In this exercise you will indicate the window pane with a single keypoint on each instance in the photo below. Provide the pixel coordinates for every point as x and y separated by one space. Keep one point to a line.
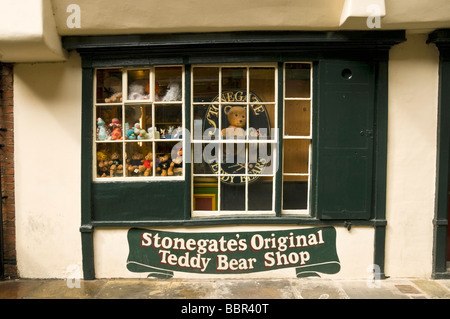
206 84
168 159
295 192
205 193
140 159
297 118
260 194
109 86
138 122
206 121
297 80
296 156
168 84
109 160
234 79
205 157
109 123
168 118
262 83
232 196
260 159
234 121
138 85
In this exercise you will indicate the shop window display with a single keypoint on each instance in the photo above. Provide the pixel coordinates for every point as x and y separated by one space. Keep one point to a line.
139 123
235 137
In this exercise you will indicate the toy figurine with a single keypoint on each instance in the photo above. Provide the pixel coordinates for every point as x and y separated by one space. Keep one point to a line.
103 132
116 129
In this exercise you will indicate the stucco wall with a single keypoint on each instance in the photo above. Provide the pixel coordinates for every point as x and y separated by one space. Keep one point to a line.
412 129
47 166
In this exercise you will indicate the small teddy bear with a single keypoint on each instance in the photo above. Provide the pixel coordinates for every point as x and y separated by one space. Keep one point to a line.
177 162
164 165
115 98
148 164
102 165
237 119
116 166
137 92
136 164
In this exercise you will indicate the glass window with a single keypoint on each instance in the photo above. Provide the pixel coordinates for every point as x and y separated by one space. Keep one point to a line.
297 137
139 123
234 143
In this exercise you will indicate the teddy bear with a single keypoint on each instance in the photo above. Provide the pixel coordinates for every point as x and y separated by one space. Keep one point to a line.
102 165
237 119
137 92
148 164
164 165
173 92
177 162
115 98
116 166
116 129
136 164
103 133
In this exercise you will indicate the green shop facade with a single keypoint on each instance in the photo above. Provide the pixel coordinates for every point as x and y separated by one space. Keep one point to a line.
242 153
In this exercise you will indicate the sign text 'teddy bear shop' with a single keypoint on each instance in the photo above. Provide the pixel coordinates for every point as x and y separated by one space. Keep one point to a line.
160 253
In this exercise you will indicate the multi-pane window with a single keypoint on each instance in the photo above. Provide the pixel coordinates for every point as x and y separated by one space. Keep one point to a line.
297 136
235 111
139 123
235 138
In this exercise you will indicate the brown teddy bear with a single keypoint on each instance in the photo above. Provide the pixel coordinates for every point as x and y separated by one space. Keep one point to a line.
102 165
237 119
136 165
116 166
164 165
148 164
115 98
177 163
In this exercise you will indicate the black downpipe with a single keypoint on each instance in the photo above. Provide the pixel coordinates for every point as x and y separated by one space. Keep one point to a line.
2 261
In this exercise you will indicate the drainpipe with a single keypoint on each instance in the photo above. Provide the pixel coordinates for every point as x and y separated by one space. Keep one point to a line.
2 263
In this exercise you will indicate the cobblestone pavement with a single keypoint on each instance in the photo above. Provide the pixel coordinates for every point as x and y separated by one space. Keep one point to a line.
242 289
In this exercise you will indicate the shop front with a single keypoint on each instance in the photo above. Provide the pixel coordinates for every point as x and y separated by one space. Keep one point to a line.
235 154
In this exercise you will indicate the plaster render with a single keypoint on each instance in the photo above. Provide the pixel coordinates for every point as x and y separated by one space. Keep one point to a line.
411 164
47 124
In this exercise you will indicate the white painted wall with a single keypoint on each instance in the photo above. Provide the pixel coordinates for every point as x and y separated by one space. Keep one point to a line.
413 104
47 127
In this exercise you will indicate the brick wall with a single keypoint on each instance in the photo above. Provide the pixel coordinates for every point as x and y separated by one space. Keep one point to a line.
7 168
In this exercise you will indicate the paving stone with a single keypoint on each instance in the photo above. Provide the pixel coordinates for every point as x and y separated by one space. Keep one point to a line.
187 289
317 289
407 289
432 289
17 289
133 289
61 289
362 290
